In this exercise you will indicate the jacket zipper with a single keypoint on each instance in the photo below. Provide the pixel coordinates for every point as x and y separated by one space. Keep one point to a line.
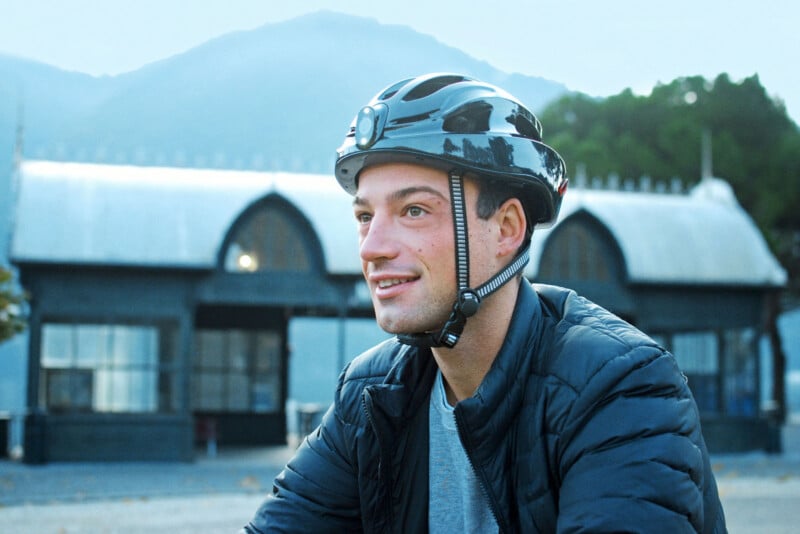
383 469
482 482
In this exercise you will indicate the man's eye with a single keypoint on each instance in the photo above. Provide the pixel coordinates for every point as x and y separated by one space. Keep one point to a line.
363 218
415 211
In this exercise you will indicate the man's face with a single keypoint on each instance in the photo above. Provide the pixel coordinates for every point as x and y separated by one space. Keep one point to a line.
406 244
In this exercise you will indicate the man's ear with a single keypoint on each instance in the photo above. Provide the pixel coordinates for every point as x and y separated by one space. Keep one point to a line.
510 217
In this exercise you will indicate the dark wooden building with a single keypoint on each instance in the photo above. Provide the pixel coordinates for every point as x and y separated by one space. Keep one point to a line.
161 298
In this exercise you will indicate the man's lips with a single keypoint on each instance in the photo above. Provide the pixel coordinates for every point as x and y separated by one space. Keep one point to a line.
389 282
390 285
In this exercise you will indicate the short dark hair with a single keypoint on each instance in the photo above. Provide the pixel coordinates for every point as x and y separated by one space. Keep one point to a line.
492 194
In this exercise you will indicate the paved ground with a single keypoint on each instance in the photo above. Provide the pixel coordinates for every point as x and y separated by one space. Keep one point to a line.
213 495
760 492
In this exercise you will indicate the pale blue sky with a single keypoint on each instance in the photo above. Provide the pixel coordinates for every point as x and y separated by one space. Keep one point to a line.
598 48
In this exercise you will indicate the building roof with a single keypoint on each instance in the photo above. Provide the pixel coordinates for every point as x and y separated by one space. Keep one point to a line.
163 217
177 217
704 237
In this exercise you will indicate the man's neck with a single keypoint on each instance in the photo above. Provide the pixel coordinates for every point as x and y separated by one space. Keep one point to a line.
465 365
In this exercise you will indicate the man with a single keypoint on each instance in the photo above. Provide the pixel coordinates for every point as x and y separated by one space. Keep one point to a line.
500 406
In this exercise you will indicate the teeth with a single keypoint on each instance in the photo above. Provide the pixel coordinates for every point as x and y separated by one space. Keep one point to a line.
392 282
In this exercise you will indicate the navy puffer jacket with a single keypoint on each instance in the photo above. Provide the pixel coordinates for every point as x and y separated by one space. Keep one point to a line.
583 424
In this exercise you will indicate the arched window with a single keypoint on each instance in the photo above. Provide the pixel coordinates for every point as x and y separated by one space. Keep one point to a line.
580 249
270 236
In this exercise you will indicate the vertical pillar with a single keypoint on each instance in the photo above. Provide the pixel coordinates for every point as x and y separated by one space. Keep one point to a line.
722 366
185 350
184 356
34 437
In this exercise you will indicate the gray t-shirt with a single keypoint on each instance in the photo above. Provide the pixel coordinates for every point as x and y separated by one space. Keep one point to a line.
457 502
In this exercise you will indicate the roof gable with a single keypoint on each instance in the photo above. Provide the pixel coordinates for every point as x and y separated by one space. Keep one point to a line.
162 217
701 238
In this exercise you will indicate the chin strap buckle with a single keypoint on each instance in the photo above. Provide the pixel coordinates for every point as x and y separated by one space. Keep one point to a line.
468 302
466 306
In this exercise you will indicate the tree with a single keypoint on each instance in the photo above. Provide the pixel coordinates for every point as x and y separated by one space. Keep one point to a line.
756 146
12 321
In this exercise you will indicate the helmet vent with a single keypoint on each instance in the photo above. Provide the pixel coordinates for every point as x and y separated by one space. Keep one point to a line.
390 91
470 118
428 87
526 125
411 119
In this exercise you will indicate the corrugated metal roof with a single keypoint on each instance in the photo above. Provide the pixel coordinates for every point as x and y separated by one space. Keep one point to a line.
704 237
151 216
177 217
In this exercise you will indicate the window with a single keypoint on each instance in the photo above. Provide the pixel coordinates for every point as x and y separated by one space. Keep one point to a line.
109 368
267 240
576 251
697 354
721 367
739 379
237 371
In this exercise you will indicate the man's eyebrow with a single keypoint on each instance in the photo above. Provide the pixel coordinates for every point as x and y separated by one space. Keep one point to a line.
401 194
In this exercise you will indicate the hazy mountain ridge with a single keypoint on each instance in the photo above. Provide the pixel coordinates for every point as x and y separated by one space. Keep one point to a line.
277 97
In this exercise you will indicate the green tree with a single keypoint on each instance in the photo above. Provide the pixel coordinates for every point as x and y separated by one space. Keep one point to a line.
12 321
755 146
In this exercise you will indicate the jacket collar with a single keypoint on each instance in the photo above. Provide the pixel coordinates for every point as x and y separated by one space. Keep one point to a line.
406 386
489 413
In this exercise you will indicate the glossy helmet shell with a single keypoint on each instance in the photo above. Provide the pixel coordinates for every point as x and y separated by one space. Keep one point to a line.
449 121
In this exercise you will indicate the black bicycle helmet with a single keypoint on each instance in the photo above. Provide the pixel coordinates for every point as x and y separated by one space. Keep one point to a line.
452 121
460 125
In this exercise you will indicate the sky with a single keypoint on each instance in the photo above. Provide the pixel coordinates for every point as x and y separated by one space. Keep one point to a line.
599 48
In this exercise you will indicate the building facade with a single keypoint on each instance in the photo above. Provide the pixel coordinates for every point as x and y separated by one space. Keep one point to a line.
161 298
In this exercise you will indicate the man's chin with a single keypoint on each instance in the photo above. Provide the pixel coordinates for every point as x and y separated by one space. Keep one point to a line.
395 326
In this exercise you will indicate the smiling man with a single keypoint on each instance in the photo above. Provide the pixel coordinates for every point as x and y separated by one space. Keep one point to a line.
500 406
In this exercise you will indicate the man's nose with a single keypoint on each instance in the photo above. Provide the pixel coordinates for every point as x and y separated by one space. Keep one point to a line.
379 241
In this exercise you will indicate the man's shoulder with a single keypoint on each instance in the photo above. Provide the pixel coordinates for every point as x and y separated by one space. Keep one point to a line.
584 337
576 319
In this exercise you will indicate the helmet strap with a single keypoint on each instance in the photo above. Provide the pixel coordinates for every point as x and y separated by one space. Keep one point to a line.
468 300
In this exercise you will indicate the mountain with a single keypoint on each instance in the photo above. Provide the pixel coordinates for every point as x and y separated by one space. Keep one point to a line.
279 97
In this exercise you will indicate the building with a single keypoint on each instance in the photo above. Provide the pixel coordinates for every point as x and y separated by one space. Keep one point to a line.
161 298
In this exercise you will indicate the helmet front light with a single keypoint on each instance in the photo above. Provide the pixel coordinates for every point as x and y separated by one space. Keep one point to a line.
369 125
